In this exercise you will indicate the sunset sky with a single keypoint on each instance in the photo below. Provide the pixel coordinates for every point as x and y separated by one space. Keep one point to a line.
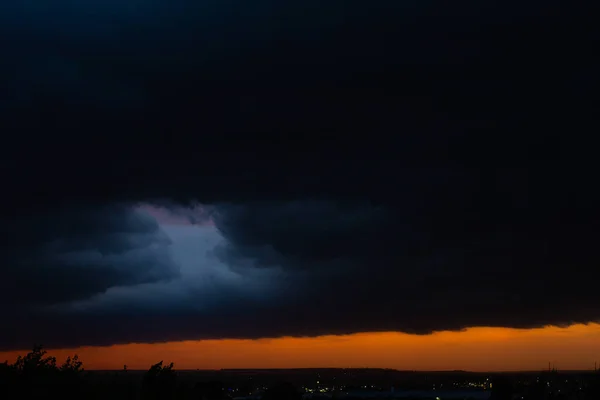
476 349
265 183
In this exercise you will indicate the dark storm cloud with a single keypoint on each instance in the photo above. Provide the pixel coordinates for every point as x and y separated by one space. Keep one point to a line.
216 92
75 253
496 261
466 250
309 129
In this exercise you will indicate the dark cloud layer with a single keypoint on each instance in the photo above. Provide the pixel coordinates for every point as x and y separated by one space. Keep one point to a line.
74 253
507 263
406 166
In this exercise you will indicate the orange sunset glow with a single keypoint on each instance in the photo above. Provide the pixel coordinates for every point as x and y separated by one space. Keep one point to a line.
476 349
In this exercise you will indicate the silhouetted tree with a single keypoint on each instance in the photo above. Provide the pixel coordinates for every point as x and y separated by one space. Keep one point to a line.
34 363
72 365
36 375
159 382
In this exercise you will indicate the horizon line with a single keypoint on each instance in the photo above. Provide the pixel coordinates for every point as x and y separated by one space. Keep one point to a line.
353 368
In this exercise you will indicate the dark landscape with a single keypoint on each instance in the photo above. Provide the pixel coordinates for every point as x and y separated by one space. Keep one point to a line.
38 376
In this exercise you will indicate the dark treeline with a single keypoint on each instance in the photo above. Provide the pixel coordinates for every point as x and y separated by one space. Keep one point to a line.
38 375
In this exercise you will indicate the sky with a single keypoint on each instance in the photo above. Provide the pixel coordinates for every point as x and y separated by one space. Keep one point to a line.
477 349
205 280
264 176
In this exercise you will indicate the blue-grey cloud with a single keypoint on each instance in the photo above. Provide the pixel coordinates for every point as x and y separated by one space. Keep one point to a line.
75 253
207 298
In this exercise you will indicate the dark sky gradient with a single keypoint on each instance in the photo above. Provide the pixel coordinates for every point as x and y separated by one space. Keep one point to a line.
400 167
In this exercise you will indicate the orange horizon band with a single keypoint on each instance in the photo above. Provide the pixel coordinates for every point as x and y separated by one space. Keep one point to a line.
475 349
